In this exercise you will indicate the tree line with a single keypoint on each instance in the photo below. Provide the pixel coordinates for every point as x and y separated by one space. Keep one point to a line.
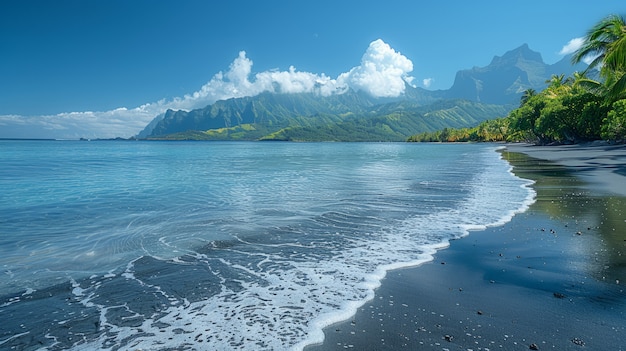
571 109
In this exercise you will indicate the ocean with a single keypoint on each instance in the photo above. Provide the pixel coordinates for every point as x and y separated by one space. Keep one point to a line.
133 245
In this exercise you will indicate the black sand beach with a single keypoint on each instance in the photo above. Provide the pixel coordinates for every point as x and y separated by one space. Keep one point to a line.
554 278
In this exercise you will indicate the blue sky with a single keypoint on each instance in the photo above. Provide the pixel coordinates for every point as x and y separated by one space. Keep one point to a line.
114 64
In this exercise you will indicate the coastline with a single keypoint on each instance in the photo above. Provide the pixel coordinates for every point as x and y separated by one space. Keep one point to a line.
552 278
603 166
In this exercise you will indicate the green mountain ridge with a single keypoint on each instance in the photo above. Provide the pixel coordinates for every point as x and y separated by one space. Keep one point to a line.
396 125
477 95
274 111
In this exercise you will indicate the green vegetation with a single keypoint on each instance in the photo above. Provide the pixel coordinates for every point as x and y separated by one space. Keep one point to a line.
570 110
267 112
239 132
305 117
391 122
490 130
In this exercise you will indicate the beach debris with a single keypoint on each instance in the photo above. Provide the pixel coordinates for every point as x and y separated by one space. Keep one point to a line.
559 295
578 342
448 338
533 346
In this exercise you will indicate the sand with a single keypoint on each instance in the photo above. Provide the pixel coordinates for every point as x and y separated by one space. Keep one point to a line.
603 166
554 278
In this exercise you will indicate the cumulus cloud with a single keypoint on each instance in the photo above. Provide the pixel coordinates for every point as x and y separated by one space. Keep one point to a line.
119 122
427 82
572 46
238 82
383 72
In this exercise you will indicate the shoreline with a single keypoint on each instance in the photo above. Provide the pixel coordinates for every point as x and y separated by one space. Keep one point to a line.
552 278
603 166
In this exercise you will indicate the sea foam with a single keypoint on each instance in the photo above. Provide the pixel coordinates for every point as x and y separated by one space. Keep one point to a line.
298 241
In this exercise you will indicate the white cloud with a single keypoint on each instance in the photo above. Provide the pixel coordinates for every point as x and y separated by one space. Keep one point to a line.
427 82
120 122
572 46
236 82
383 72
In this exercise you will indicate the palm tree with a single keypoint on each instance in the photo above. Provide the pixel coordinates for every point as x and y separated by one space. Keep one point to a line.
528 93
580 79
557 84
605 43
556 80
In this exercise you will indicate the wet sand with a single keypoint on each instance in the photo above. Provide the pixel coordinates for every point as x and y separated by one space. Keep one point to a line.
554 278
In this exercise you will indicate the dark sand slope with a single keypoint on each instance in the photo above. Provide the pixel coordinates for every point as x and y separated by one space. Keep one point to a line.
554 278
603 166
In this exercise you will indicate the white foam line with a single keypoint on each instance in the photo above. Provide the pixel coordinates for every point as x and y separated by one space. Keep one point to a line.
13 337
297 303
349 309
274 245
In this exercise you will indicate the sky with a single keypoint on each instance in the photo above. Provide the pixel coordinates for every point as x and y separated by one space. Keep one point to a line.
106 68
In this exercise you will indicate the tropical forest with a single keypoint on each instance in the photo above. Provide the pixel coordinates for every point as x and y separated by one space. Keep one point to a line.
583 107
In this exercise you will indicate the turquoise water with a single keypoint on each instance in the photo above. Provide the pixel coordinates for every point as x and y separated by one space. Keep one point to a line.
224 245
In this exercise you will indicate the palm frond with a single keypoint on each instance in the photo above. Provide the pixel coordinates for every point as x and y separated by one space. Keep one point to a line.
617 90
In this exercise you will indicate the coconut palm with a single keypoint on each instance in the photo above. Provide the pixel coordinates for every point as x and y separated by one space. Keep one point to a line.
605 44
580 79
528 93
557 85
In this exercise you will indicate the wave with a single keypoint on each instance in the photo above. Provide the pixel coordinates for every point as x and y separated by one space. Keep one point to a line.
268 284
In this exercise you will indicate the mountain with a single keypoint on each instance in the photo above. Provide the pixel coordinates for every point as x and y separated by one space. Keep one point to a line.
147 130
477 94
267 109
508 76
352 116
395 122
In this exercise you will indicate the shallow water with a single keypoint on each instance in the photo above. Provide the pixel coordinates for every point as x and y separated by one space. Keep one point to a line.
224 245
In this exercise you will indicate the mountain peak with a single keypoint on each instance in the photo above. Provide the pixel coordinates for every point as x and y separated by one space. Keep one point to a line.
506 77
522 53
